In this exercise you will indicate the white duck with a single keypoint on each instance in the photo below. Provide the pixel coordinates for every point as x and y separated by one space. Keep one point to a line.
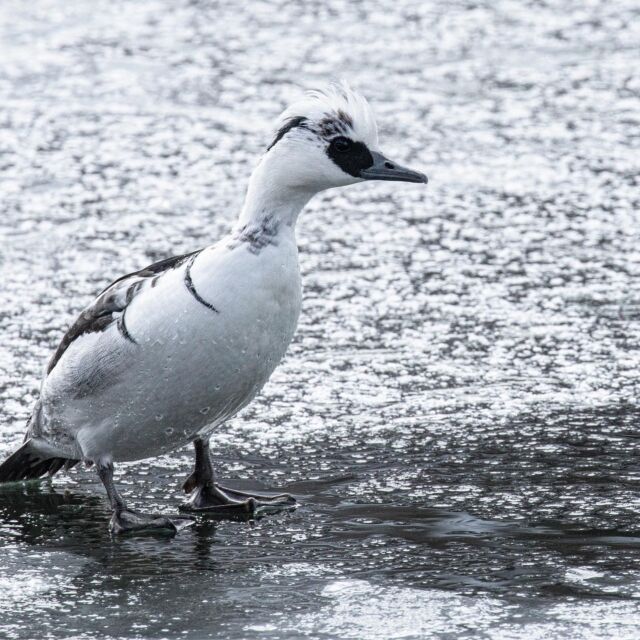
165 355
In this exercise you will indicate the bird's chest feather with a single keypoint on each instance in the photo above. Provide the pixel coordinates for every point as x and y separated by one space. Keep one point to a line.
257 301
224 333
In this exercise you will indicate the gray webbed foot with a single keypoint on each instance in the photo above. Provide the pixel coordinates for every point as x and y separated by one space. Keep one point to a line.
129 521
216 500
126 520
209 497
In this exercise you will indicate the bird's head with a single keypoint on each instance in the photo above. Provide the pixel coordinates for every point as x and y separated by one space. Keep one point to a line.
330 139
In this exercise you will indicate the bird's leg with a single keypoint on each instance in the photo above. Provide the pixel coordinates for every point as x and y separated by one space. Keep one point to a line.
125 520
211 497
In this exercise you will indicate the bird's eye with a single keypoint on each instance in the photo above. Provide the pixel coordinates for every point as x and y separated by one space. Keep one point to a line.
341 144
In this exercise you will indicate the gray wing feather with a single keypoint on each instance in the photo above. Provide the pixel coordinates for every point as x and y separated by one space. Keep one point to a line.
110 304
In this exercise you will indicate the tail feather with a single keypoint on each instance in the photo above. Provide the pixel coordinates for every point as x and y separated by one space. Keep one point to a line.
30 462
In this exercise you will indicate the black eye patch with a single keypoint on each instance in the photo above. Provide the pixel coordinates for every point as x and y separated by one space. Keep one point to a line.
352 158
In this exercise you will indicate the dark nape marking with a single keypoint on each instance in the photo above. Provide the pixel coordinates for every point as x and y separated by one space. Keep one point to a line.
192 289
122 328
291 123
354 161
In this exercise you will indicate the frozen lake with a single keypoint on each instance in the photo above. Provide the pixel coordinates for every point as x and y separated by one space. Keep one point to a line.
459 414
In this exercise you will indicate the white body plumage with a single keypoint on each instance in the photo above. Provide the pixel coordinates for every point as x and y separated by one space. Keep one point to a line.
190 367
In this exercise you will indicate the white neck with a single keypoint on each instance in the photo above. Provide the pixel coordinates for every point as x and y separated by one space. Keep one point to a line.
269 198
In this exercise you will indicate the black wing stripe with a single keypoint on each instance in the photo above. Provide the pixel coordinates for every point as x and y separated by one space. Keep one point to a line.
192 289
122 328
113 300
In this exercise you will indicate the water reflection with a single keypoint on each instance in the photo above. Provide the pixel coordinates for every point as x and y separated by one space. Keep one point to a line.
391 537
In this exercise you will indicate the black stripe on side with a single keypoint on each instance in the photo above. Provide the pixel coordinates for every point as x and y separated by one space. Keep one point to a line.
122 328
192 289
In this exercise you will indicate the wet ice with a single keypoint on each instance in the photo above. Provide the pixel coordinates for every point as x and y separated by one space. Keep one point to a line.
458 414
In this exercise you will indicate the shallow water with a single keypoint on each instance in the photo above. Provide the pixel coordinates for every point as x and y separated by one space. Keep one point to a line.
458 414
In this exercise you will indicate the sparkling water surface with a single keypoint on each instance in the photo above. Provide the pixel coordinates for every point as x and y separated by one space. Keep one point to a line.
458 415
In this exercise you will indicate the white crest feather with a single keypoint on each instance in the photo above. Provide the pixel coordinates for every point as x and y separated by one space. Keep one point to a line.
336 101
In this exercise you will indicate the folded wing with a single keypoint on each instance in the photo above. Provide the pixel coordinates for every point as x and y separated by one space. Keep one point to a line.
111 303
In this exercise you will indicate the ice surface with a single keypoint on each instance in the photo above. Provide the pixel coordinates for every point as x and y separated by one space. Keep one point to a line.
459 412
